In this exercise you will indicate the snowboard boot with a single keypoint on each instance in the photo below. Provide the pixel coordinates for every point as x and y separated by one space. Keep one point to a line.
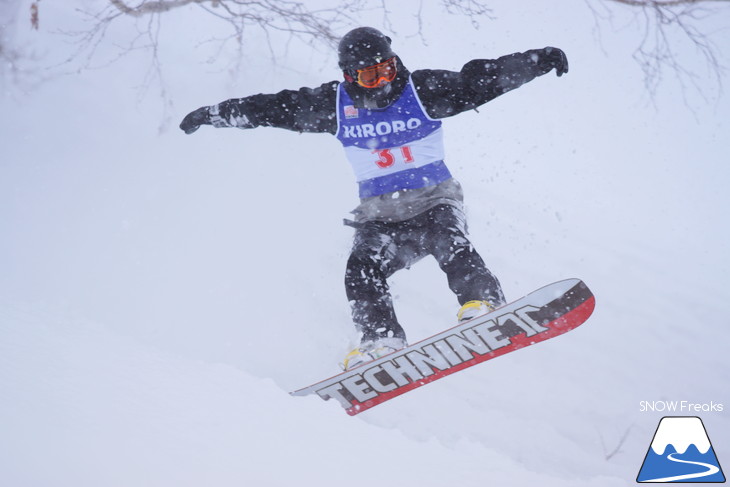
472 309
371 350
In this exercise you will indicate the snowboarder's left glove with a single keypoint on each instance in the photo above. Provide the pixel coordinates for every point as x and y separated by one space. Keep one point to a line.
552 57
195 119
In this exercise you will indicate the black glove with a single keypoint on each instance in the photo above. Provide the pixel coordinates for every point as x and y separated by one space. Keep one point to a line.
195 119
552 57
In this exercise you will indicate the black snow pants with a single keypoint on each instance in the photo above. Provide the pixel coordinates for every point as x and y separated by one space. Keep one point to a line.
382 248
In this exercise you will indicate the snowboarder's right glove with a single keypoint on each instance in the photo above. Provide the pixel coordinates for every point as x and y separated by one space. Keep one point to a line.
551 57
195 119
230 113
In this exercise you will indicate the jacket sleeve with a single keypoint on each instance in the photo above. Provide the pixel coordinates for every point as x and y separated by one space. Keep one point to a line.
447 93
303 110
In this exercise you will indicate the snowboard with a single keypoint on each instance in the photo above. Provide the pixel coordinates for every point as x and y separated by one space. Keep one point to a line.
543 314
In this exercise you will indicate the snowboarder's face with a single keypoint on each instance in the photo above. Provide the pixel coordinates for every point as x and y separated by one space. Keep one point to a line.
378 75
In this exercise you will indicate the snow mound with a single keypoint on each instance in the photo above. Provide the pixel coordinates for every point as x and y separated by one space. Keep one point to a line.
93 408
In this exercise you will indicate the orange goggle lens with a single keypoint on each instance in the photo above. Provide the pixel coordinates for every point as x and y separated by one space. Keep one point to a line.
374 76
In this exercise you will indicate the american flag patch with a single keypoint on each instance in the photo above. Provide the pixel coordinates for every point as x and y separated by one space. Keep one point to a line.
350 111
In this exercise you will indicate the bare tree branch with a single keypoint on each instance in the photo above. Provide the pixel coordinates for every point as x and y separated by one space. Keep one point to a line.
666 25
663 3
295 19
157 6
34 19
290 16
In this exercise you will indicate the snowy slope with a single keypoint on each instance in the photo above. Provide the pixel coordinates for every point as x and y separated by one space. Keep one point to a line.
140 269
104 410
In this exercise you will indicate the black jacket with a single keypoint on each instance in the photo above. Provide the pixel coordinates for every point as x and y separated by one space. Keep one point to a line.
442 93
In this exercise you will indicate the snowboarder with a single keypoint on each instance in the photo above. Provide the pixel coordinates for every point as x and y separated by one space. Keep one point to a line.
389 122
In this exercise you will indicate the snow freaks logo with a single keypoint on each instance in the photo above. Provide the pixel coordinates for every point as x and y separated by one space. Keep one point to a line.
680 407
680 452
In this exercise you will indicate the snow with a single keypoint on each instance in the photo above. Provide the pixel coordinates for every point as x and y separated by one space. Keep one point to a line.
681 433
161 293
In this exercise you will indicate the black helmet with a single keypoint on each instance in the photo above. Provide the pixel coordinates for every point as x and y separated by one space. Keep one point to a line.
363 47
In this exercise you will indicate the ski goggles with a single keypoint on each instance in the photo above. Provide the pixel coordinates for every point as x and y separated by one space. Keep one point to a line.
374 76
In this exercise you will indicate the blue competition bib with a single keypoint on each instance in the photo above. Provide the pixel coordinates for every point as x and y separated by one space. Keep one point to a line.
398 147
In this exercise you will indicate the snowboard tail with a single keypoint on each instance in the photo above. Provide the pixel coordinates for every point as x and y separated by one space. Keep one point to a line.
543 314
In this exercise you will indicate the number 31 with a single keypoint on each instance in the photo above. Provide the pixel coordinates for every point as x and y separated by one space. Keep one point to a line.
387 159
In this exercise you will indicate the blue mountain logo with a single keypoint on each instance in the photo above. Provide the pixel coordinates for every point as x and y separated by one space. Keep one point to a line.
681 452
